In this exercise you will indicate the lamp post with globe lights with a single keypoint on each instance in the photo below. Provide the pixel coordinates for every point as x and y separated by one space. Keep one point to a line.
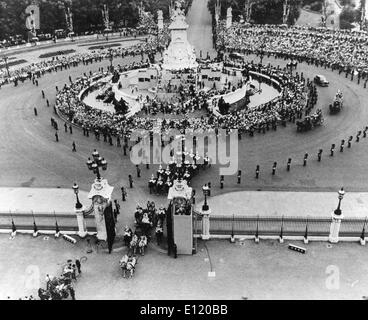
79 211
78 205
336 219
97 163
100 195
341 194
205 190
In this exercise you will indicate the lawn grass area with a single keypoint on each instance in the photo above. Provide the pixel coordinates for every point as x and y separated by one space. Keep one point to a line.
56 53
97 47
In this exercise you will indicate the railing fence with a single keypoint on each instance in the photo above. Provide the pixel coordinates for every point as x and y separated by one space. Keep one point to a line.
280 226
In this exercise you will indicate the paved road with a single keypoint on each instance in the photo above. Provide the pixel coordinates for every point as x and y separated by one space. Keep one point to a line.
267 270
32 158
200 28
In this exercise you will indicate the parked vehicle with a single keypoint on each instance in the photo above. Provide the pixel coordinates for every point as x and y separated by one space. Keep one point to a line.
321 80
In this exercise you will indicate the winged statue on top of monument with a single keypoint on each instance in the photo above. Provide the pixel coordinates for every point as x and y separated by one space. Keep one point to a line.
178 13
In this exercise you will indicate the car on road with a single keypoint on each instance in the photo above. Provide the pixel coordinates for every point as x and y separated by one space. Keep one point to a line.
321 80
235 55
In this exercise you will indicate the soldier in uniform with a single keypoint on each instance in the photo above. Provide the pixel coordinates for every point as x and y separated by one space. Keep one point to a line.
123 194
160 185
332 150
152 183
160 171
349 141
320 155
274 168
117 207
305 159
168 185
159 233
288 164
186 176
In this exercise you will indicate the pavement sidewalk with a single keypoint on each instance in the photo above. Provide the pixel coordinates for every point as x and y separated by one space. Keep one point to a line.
249 203
40 200
289 204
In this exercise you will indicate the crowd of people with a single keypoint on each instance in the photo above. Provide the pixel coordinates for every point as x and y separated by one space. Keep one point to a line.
337 49
292 101
184 166
34 71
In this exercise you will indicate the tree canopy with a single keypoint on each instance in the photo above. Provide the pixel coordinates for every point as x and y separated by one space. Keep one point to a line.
86 14
263 11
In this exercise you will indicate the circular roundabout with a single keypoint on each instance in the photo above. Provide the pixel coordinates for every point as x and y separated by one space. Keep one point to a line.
139 84
292 134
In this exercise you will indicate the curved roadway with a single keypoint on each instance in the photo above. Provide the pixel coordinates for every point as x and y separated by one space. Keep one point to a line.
30 157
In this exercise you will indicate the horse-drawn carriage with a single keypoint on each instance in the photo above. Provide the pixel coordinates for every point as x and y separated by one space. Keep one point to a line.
127 265
136 241
338 103
310 122
291 65
57 288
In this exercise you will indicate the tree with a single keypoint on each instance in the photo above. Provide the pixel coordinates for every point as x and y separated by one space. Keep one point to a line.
263 11
348 16
87 14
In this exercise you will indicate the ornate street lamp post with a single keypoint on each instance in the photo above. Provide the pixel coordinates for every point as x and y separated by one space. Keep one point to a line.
78 205
341 194
97 163
205 190
336 220
100 195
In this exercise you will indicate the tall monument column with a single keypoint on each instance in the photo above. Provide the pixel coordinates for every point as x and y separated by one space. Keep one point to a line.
160 20
229 18
180 54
